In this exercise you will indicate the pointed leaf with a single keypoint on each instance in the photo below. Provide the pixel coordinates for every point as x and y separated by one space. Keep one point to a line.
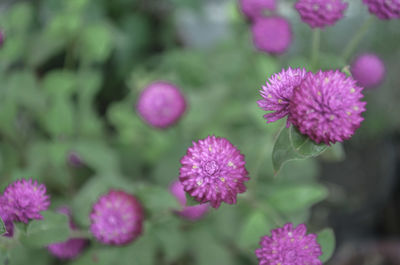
3 229
326 238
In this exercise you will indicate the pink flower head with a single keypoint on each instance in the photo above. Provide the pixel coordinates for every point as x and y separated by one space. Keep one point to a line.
278 91
161 104
368 70
1 38
289 246
74 159
272 34
320 13
254 8
6 219
192 213
327 107
384 9
116 218
213 170
71 248
25 199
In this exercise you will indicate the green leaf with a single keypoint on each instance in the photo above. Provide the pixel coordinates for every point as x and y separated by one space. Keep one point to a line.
53 228
334 153
326 238
158 199
254 227
296 197
3 229
291 145
96 43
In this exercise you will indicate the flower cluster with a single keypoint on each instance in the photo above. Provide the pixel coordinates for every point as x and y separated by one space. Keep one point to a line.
71 248
253 9
116 218
213 170
161 104
325 106
192 213
368 70
384 9
320 13
289 246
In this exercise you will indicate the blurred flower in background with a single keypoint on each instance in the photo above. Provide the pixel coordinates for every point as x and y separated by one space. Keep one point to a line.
368 69
384 9
254 9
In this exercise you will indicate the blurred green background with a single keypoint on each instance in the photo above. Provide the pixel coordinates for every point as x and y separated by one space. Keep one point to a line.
70 74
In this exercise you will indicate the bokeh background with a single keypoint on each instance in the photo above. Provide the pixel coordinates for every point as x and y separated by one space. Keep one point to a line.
70 74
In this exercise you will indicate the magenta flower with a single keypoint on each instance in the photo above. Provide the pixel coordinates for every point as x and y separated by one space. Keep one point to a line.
192 213
272 34
384 9
278 92
25 199
1 38
213 170
320 13
368 70
71 248
74 159
327 107
161 104
6 219
116 218
289 246
254 8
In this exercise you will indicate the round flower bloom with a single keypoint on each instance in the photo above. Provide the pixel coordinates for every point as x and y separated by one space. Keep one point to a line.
116 218
278 92
368 70
161 104
213 170
272 34
71 248
289 246
327 107
6 219
320 13
25 199
384 9
193 213
254 8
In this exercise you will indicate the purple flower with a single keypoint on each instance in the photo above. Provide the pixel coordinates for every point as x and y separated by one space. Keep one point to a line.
289 246
384 9
254 8
116 218
74 159
1 38
327 107
25 199
192 213
71 248
368 70
213 170
272 34
278 92
320 13
161 104
6 219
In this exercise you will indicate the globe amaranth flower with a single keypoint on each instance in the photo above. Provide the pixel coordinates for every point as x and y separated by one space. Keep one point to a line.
368 70
289 246
161 104
192 213
74 159
272 34
327 107
25 199
255 8
71 248
278 91
116 218
384 9
320 13
1 38
6 219
213 170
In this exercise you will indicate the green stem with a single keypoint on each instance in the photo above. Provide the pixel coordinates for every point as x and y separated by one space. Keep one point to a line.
316 40
357 38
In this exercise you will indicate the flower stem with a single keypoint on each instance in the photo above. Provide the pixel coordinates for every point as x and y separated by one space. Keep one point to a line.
316 40
357 38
